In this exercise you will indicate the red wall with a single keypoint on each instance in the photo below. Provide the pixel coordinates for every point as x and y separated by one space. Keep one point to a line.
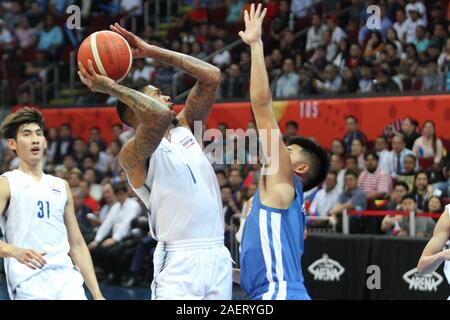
322 119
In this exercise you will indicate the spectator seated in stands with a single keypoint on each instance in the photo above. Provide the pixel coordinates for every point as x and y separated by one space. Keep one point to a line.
314 37
410 132
352 198
358 150
384 82
428 148
50 38
108 245
395 199
434 205
234 85
399 225
287 84
397 156
422 190
409 170
373 181
325 200
352 133
337 165
331 80
234 10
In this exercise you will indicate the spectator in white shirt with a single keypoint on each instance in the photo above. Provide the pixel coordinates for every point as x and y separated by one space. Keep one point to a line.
336 32
400 25
314 37
417 5
114 230
411 25
327 197
382 149
142 73
223 59
337 165
332 80
109 198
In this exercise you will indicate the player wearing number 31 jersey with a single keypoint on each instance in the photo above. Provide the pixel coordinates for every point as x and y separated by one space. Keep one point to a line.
41 233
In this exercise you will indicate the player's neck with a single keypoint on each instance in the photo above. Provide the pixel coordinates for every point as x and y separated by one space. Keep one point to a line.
167 135
33 170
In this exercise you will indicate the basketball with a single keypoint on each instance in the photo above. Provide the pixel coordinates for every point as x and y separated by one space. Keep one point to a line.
109 52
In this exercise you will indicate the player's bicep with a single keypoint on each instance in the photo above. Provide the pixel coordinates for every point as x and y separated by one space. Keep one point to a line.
441 235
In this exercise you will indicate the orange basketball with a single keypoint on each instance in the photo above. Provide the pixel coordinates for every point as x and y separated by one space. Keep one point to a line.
109 52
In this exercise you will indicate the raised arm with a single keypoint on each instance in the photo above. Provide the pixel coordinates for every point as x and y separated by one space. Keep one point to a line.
202 95
154 119
277 188
78 250
433 255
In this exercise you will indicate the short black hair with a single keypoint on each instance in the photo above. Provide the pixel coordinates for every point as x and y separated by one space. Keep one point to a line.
292 123
350 116
10 126
319 161
401 183
350 172
371 153
409 196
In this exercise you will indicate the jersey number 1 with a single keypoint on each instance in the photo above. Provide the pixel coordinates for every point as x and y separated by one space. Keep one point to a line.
41 209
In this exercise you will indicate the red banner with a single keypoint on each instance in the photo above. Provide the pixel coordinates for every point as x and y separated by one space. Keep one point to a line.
322 119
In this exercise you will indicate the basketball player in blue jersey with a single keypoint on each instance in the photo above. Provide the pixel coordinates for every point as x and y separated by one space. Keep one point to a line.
168 170
437 249
272 240
38 221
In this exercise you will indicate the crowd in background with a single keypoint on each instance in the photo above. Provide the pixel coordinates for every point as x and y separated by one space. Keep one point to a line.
311 46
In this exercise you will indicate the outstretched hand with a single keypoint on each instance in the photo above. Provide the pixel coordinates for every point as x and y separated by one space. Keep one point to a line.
253 23
138 46
96 82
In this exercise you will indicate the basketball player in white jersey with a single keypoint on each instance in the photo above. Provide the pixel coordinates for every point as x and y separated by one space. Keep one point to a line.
37 218
438 248
168 170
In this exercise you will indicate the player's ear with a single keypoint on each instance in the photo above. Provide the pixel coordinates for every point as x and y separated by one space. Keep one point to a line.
12 144
301 168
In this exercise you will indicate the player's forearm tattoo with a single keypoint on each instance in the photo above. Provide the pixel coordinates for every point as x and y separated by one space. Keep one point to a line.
199 102
199 69
143 105
155 119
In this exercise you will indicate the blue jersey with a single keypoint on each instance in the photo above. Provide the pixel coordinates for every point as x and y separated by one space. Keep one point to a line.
271 250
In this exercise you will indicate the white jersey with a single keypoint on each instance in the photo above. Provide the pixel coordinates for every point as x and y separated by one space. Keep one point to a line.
34 219
181 191
447 246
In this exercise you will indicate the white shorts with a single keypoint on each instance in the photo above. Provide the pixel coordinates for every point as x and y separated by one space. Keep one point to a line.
192 270
52 284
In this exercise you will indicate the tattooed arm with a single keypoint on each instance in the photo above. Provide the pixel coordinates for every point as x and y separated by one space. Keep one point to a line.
201 97
155 118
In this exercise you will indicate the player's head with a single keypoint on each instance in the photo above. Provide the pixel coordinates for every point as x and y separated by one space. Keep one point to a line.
129 117
24 131
309 160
